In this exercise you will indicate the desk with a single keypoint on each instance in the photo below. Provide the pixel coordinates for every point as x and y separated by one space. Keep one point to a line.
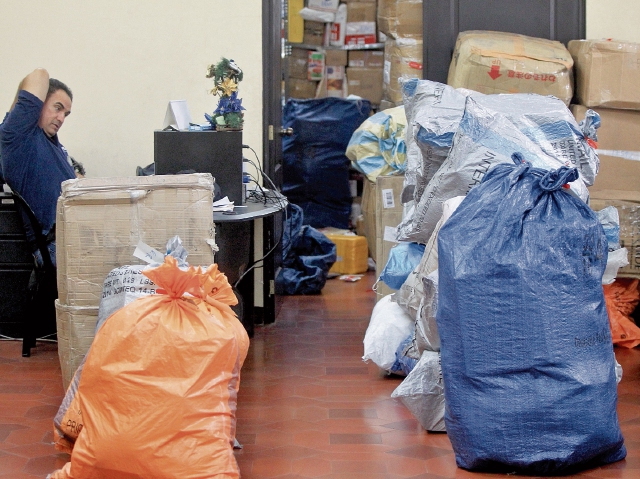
234 237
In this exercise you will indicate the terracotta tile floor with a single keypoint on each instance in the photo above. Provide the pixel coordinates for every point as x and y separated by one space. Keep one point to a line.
308 406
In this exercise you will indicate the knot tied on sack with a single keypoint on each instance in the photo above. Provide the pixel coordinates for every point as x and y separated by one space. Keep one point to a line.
208 286
555 179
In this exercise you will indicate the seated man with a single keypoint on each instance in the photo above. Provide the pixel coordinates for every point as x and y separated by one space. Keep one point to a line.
34 163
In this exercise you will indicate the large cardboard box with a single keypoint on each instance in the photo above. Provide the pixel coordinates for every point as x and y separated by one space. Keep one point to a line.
619 129
400 18
361 12
366 83
314 33
76 327
366 58
335 58
303 89
402 59
297 63
618 181
607 73
382 211
100 221
499 62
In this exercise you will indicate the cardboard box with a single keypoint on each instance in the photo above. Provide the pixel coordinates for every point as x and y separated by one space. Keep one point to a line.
295 23
382 211
360 33
297 63
352 252
335 84
361 12
335 58
302 89
366 58
314 33
619 130
402 59
366 83
100 221
499 62
607 73
400 18
315 65
76 327
629 213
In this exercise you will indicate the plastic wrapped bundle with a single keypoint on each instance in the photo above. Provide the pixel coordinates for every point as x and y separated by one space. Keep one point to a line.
377 147
527 359
492 128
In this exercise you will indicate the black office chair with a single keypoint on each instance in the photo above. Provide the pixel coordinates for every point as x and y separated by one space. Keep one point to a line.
40 317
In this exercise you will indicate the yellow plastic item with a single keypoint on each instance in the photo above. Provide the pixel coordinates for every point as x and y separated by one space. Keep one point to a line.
353 254
158 390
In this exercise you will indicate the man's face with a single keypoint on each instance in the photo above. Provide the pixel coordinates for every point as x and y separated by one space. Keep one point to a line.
56 109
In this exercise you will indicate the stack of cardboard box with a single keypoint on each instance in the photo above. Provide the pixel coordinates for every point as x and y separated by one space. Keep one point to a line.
358 26
607 81
99 223
401 22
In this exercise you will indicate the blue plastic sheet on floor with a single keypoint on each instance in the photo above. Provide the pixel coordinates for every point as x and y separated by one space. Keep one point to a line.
527 357
315 167
307 256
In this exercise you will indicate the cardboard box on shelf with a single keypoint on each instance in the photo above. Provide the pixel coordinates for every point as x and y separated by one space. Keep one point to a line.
607 73
402 59
500 62
382 211
297 63
315 65
366 58
400 18
302 89
335 58
366 83
76 327
314 33
335 81
100 221
360 33
361 12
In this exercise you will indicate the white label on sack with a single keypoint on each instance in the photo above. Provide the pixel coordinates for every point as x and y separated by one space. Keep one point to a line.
147 253
387 199
390 234
387 72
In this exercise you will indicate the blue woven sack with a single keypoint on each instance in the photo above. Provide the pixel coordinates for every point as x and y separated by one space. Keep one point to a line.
527 356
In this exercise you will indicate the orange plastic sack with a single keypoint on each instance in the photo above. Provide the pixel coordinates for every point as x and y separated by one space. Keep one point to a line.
158 390
622 297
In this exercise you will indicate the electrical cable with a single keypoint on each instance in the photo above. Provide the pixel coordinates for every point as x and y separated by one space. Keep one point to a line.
264 197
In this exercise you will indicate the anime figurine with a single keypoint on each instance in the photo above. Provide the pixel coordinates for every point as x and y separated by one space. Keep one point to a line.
226 76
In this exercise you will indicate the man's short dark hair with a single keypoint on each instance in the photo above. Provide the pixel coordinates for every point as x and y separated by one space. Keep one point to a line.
55 85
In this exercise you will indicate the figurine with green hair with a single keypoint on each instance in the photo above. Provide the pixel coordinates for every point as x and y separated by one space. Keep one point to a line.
226 76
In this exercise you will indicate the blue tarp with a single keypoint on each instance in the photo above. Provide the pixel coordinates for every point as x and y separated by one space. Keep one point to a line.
527 356
307 256
315 168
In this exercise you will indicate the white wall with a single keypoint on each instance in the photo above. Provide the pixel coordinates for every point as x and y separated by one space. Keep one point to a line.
124 60
617 19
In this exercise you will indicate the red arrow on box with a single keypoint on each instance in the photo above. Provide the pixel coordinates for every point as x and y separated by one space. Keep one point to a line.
495 71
